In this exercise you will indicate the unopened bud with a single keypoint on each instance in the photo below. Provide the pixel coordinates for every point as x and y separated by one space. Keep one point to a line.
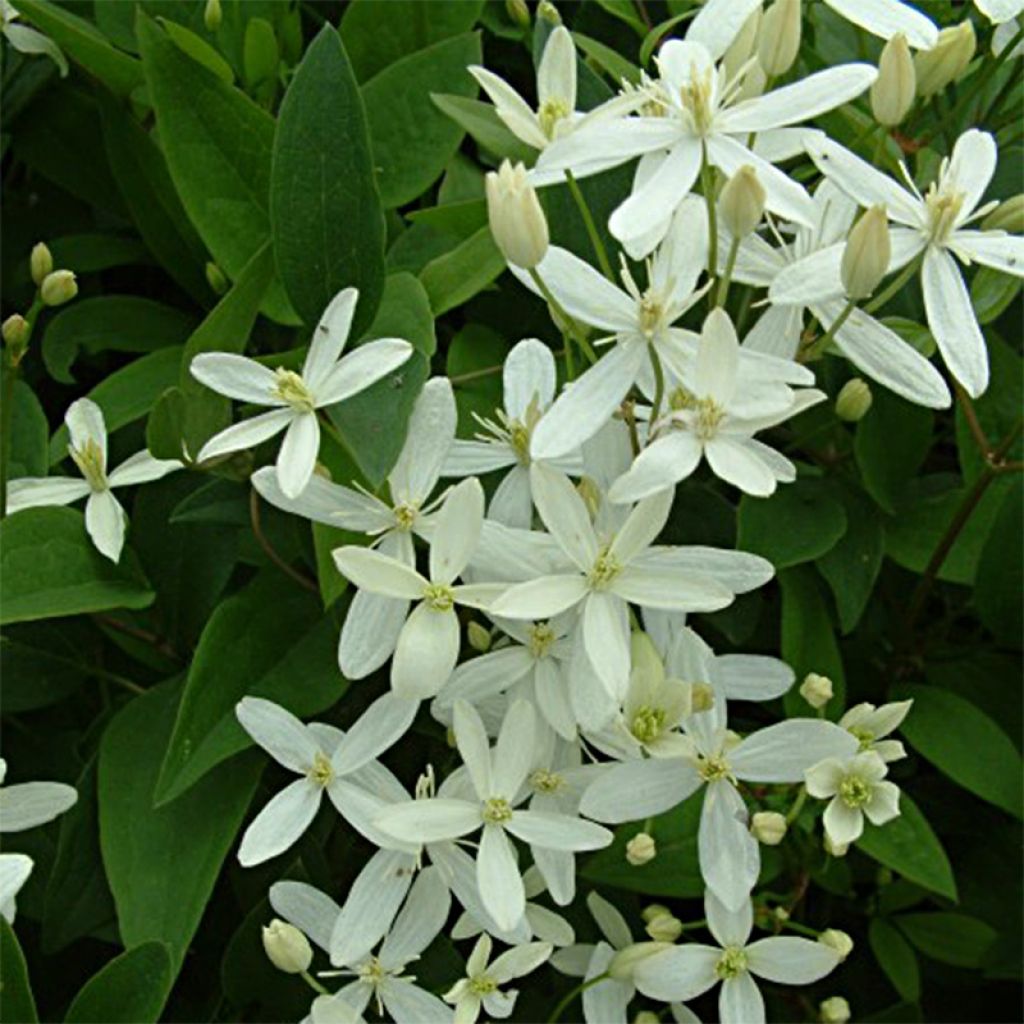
742 202
518 12
893 91
40 262
517 220
16 331
816 690
768 827
837 940
479 637
322 471
779 37
947 60
742 47
215 279
641 849
589 491
646 1017
212 15
835 849
625 961
58 287
665 927
702 697
549 12
1007 216
853 400
780 913
834 1011
653 910
286 947
867 253
643 655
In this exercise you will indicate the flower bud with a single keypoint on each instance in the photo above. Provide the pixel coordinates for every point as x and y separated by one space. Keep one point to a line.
742 202
643 655
892 92
40 262
212 15
768 827
853 400
664 927
1007 216
838 941
215 278
742 47
835 849
641 849
702 697
779 37
947 60
867 253
834 1011
518 12
780 913
517 220
624 962
16 331
646 1017
58 287
549 12
286 947
479 637
816 690
590 492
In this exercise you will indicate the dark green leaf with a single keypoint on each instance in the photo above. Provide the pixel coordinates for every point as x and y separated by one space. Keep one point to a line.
992 292
455 277
954 939
42 662
999 583
19 1004
30 434
896 958
131 989
480 121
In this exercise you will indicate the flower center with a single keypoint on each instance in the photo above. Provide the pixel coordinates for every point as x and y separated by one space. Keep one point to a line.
943 209
519 439
679 399
713 768
89 460
864 737
541 637
497 810
605 568
709 415
425 784
854 791
544 781
696 97
439 596
321 772
481 985
650 314
405 516
292 390
732 963
647 724
551 112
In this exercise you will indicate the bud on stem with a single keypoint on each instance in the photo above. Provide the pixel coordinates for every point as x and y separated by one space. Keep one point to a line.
867 253
780 37
58 287
742 202
40 262
517 220
892 93
947 60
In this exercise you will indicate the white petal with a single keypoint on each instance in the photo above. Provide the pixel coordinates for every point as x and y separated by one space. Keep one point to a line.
729 855
378 573
609 920
639 789
681 257
556 75
471 738
325 502
810 279
14 871
718 358
501 886
671 588
552 694
428 647
519 961
278 732
407 1003
683 972
971 166
729 927
752 676
468 457
428 821
641 527
142 468
247 434
777 332
740 466
992 249
456 531
422 917
280 823
606 1001
663 463
512 502
718 23
514 752
106 522
427 443
784 751
528 376
790 960
885 18
558 831
510 107
29 804
236 376
737 570
541 598
843 824
310 910
329 337
361 368
32 492
740 1001
604 144
564 514
370 633
480 678
382 724
606 637
951 317
297 458
884 804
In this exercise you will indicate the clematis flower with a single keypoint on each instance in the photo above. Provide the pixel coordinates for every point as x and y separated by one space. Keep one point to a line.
857 787
327 378
323 756
886 18
870 724
481 988
105 518
932 228
497 777
688 971
373 621
528 376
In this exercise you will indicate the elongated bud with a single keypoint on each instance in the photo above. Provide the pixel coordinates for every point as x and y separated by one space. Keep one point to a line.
664 927
517 220
40 262
893 91
743 46
837 940
947 60
58 287
643 654
624 962
768 827
779 37
479 637
590 492
215 279
1007 216
653 910
286 947
15 331
854 400
867 253
646 1017
816 690
549 12
742 202
212 15
518 12
641 849
834 1011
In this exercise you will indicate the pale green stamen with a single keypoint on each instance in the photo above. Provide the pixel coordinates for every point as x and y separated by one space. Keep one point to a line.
497 810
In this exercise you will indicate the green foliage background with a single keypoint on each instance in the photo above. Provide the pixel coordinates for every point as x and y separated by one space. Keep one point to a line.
305 147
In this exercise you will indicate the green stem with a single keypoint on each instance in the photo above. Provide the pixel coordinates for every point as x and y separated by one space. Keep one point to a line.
730 264
798 806
822 343
659 388
577 991
314 984
588 221
801 929
896 285
708 186
985 76
883 137
570 324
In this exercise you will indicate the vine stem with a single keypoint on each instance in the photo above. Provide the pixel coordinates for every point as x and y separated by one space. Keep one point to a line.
730 265
314 984
896 285
813 351
268 549
577 991
591 226
569 330
659 386
708 187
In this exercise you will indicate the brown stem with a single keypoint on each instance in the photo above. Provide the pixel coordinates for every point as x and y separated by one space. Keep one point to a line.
156 642
268 549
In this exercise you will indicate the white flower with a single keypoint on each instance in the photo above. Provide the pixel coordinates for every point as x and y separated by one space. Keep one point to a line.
857 788
105 518
322 755
869 724
428 644
481 987
27 40
1000 11
529 389
715 422
497 778
885 18
932 226
373 621
688 971
327 378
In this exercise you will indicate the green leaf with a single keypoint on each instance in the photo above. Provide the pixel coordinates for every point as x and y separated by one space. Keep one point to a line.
19 1004
412 140
260 54
256 643
891 443
626 12
798 523
999 583
852 566
908 845
30 433
218 146
992 291
324 206
165 426
162 862
115 323
198 49
479 120
131 989
954 939
42 662
377 33
49 567
88 253
84 44
611 61
896 958
963 743
458 275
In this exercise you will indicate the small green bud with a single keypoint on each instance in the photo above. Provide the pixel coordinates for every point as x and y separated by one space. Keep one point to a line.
40 262
518 12
212 15
893 91
479 637
641 849
779 37
286 947
768 827
549 12
16 331
835 849
742 202
664 927
838 941
816 690
646 1017
854 400
834 1011
1007 216
58 287
867 253
947 60
624 962
215 278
